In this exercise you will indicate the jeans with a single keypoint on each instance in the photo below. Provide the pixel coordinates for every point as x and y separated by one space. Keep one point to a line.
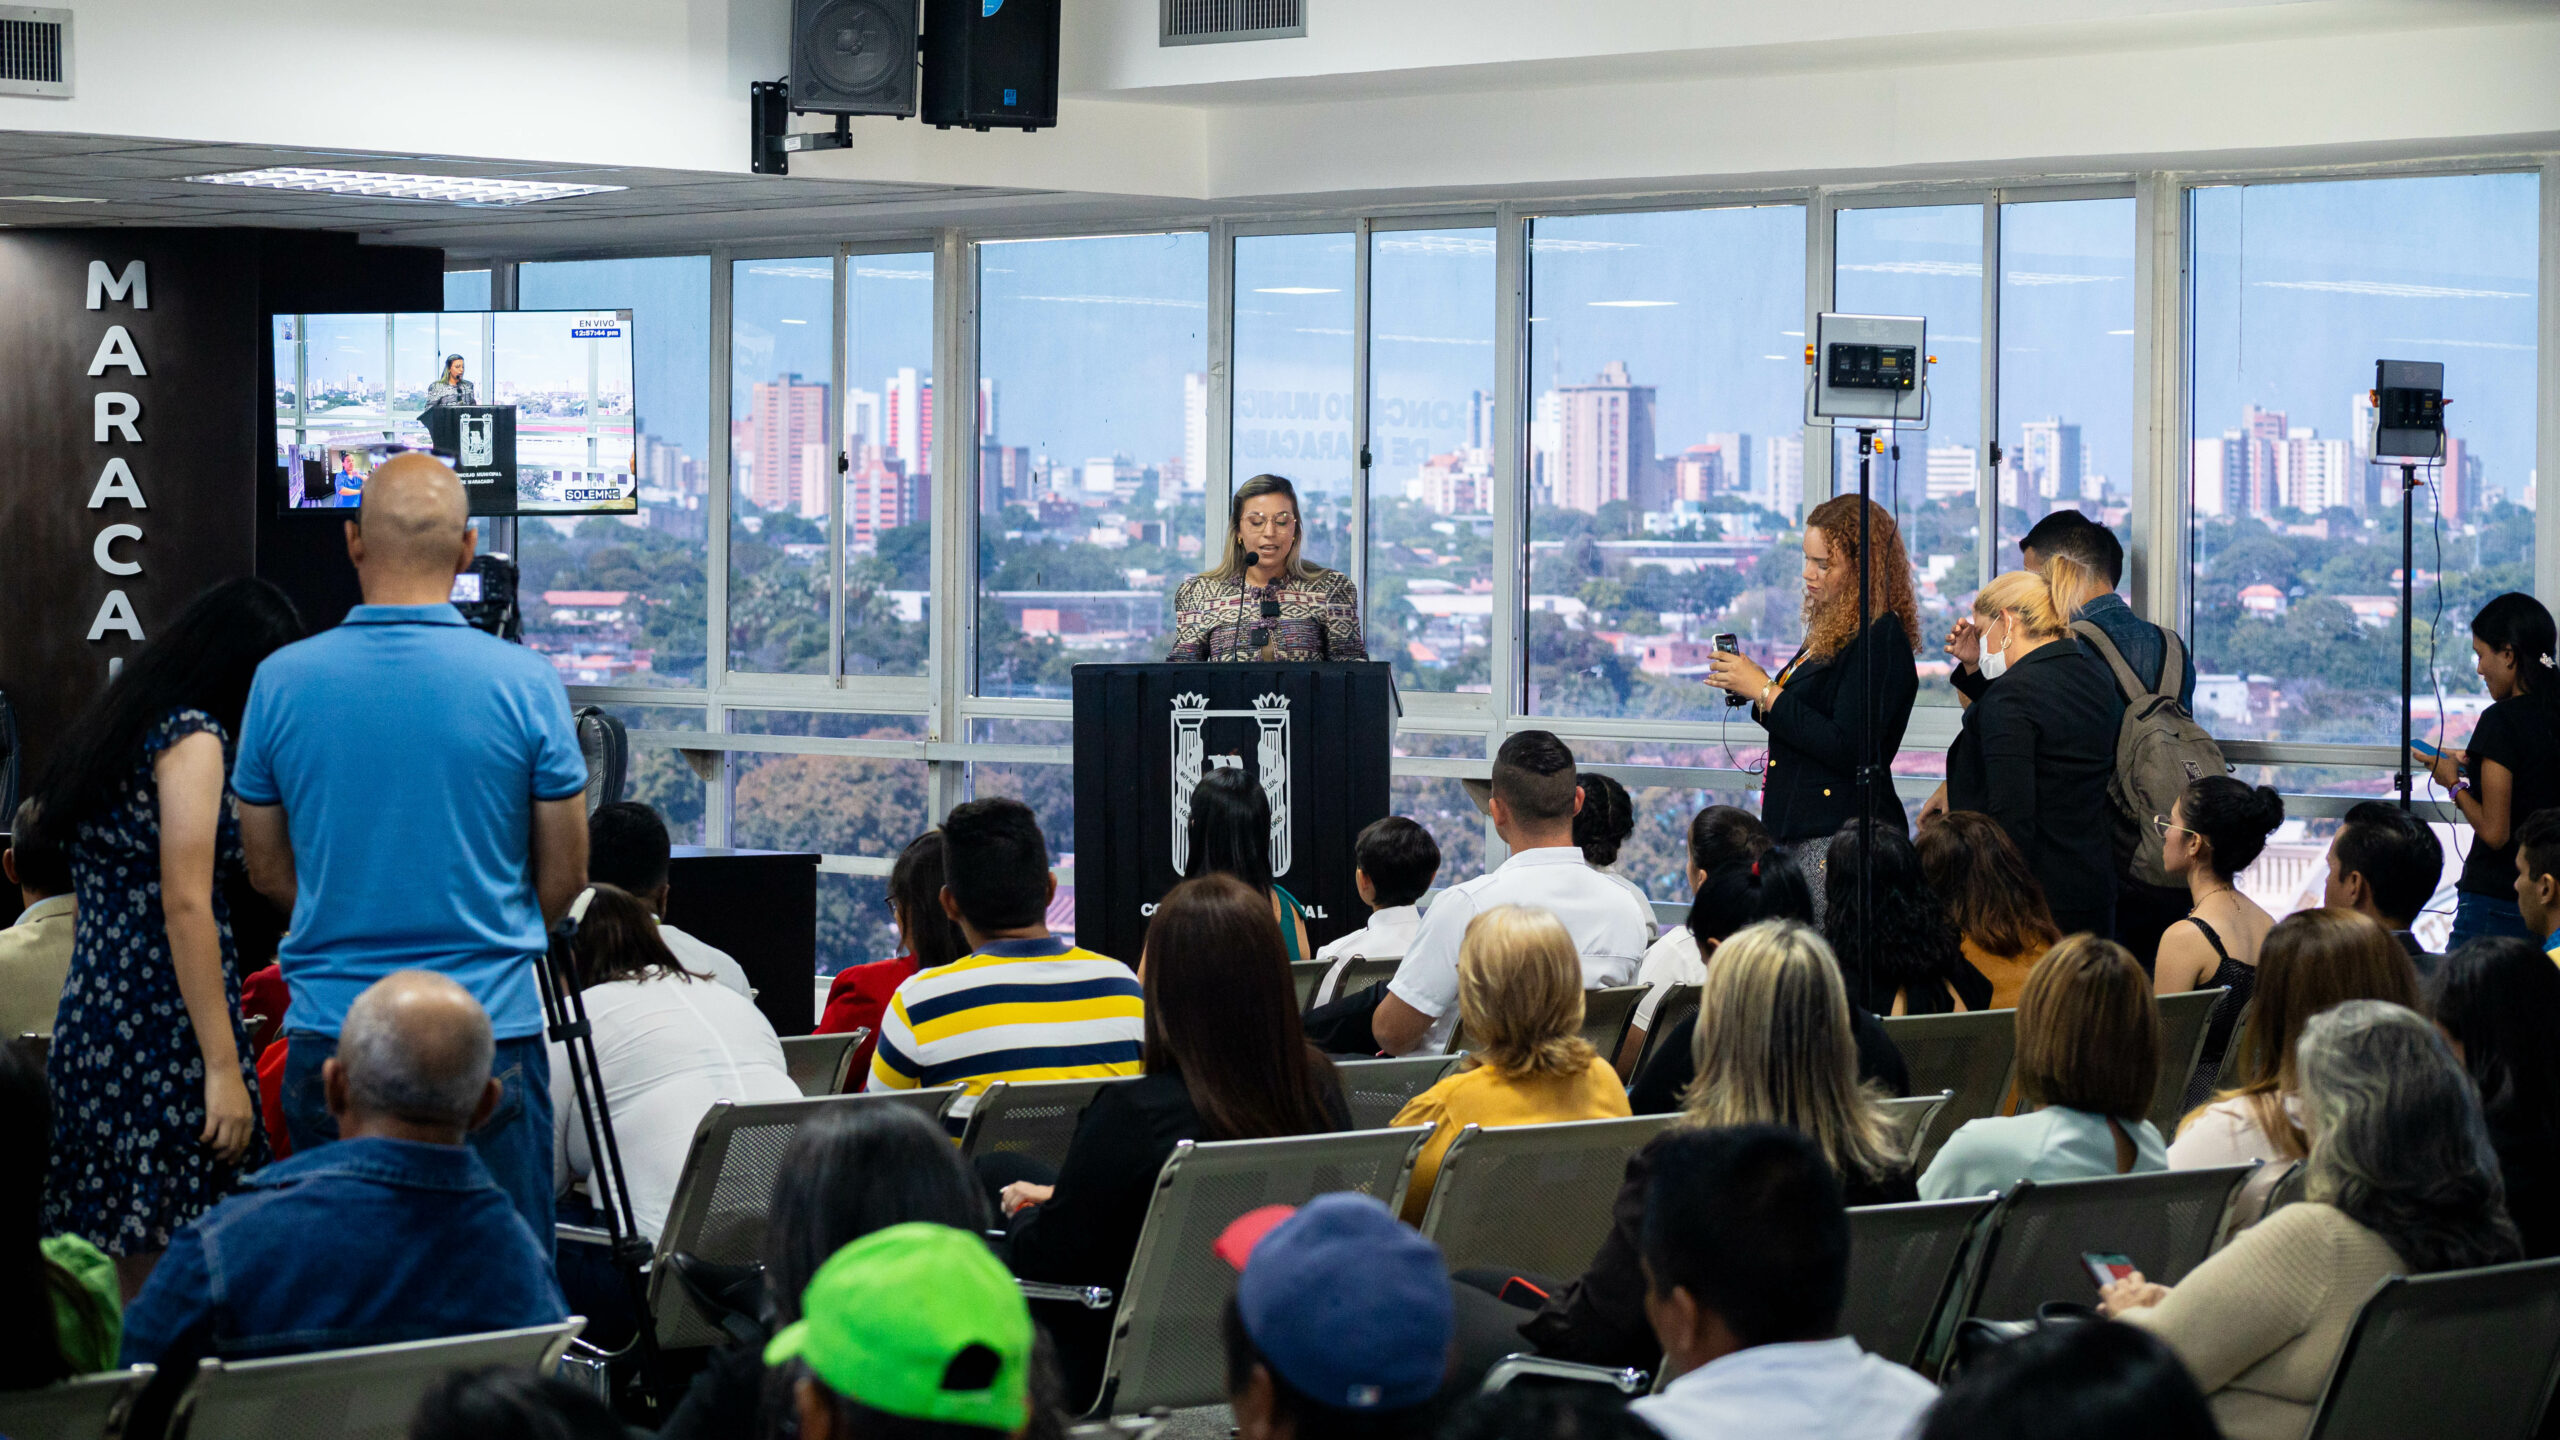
514 1142
2477 917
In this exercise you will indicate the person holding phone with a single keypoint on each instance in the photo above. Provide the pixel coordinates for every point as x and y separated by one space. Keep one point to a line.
2512 766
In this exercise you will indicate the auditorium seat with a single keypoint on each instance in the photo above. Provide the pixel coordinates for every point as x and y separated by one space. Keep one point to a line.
818 1062
1532 1198
1902 1268
2165 1221
718 1211
1166 1341
2184 1018
1034 1118
1678 1004
1626 1381
1605 1014
1912 1116
1378 1089
83 1408
2472 1353
366 1394
1973 1053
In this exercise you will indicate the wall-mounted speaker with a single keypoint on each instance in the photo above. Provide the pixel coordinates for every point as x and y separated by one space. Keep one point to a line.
853 57
991 62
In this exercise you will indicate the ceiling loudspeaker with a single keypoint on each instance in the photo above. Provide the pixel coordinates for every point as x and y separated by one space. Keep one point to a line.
853 57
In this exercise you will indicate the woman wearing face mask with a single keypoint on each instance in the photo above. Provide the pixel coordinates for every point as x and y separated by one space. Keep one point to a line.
1263 601
2038 748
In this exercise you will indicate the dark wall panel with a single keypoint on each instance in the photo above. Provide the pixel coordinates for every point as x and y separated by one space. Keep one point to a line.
203 462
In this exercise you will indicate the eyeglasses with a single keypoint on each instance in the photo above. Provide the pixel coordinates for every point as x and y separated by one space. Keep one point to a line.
2162 821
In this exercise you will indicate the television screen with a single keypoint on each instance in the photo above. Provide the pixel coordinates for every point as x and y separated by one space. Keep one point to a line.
533 408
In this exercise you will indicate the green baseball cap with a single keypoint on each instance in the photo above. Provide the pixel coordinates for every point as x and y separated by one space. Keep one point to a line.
920 1321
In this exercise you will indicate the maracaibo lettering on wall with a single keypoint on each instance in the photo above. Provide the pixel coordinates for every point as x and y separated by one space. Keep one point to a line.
115 418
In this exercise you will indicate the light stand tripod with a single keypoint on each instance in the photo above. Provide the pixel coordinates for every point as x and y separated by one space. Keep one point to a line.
1865 785
2408 579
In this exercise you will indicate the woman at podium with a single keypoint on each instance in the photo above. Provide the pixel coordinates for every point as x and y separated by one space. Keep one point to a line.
1262 600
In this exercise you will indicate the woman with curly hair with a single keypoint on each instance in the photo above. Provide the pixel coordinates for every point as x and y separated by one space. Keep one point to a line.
1812 707
2038 749
1918 966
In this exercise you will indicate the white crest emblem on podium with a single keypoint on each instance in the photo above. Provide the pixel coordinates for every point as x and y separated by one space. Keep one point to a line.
1270 714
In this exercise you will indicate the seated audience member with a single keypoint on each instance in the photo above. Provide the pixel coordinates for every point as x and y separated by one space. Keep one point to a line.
1995 900
1396 861
846 1174
1532 799
2088 1064
1774 1047
1769 888
1520 999
2209 836
1717 834
670 1043
1022 1004
2384 865
59 1291
503 1403
2311 960
2402 1181
2498 1001
627 846
1746 1261
35 950
2538 878
1600 830
2087 1382
1918 965
1340 1325
910 1332
357 1242
1230 834
1224 1061
927 938
1548 1412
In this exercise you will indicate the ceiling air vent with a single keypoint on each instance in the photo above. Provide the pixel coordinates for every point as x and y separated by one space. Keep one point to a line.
35 52
1210 22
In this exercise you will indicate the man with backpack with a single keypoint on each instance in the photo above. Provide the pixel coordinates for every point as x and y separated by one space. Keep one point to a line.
2159 748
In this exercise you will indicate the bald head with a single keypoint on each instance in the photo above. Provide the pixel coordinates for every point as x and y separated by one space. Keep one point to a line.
413 534
413 1056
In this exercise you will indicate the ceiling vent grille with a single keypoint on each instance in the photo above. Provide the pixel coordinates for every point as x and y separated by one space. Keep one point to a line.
1210 22
35 52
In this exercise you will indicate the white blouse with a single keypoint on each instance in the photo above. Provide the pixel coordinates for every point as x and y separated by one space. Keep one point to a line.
2226 1133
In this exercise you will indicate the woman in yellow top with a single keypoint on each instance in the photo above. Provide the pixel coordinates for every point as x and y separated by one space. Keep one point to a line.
1997 904
1520 1007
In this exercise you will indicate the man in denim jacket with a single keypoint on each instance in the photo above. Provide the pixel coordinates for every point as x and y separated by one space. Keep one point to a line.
395 1233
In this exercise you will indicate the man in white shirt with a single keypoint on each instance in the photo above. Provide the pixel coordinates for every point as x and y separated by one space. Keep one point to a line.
628 847
1396 862
1746 1258
1534 795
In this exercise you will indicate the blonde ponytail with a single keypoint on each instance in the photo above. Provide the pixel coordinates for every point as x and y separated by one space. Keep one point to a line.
2023 595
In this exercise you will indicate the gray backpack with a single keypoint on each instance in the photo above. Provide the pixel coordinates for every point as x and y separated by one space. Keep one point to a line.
2160 751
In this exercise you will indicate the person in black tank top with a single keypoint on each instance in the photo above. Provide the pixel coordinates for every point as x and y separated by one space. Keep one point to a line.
2212 834
2510 769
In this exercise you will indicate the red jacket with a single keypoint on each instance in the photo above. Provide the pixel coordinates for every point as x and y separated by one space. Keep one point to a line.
856 1001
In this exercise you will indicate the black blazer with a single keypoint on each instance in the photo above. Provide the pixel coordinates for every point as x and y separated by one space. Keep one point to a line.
2035 754
1811 788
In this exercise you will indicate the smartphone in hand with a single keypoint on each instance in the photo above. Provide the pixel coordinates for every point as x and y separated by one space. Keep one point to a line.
1731 645
2423 748
2105 1270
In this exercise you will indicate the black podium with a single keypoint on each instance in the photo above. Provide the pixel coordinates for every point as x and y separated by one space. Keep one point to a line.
1316 736
482 441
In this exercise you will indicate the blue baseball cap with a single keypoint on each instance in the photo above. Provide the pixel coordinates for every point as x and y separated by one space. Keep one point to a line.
1345 1302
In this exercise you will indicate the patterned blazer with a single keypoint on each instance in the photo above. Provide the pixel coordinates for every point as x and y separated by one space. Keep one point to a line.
1214 619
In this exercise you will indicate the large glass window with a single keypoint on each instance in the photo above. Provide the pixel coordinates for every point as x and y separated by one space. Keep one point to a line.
1666 454
2066 365
888 445
466 289
1093 362
782 453
620 599
1924 260
2296 290
1292 392
1432 487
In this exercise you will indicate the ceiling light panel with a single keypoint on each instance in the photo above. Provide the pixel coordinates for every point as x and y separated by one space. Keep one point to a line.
383 185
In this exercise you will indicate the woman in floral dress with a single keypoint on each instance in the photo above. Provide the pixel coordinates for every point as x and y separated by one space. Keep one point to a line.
153 1115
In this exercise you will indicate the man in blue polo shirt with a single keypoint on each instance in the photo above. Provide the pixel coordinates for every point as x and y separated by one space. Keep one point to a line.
412 790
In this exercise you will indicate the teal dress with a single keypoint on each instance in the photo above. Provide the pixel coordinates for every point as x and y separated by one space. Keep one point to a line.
1292 915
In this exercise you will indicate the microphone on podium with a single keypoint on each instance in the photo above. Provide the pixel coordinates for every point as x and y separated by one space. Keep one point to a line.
1262 633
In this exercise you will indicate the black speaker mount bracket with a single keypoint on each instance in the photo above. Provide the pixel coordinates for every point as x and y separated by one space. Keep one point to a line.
772 141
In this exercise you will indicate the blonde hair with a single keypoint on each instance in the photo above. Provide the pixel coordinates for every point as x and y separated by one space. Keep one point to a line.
2024 595
1520 993
1774 1046
1237 560
2073 585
